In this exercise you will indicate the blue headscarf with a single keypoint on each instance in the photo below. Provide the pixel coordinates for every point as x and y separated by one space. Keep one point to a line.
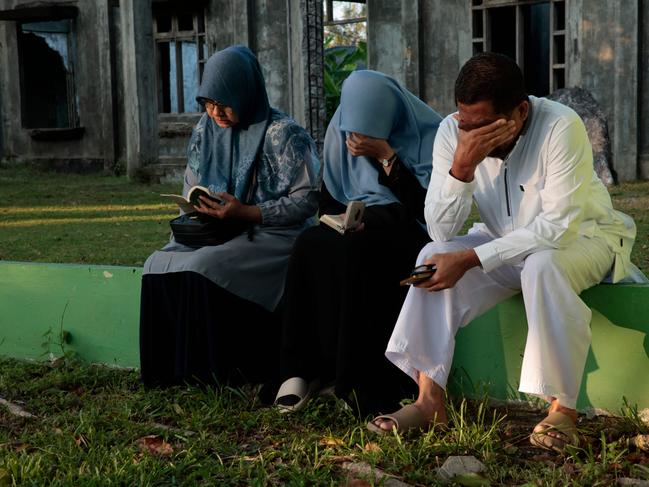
374 104
224 158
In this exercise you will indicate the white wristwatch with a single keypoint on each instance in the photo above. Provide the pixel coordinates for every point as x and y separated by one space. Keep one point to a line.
390 161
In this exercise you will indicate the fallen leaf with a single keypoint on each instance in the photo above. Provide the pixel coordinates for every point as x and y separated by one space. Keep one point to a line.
249 458
331 441
372 447
20 447
339 458
357 483
641 442
155 445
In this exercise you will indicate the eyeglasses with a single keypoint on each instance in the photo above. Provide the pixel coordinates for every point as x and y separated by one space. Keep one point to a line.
213 105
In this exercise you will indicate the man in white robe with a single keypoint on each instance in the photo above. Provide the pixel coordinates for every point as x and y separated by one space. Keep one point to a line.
548 230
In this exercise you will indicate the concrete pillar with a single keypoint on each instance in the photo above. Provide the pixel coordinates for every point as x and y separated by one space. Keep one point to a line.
446 46
643 90
609 70
228 23
140 101
394 40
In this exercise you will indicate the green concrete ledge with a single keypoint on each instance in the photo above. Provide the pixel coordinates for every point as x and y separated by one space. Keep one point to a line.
98 307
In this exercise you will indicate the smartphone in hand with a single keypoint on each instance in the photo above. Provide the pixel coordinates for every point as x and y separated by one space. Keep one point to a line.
419 274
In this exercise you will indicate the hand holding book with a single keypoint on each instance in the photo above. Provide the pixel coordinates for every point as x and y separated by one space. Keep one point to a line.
349 221
190 203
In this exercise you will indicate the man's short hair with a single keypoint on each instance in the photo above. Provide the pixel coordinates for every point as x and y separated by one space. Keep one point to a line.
489 76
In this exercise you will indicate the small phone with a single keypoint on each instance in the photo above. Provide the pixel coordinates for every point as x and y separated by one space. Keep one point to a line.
419 274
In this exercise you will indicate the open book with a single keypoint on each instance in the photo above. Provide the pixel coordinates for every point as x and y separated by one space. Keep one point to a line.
187 204
348 220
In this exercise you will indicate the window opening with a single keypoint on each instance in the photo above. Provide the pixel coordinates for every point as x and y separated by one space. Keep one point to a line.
345 23
48 96
181 53
531 32
345 43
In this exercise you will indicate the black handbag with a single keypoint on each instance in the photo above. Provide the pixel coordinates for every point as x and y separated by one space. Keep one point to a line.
200 230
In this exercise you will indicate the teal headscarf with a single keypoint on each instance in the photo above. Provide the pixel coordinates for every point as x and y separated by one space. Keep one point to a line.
374 104
224 158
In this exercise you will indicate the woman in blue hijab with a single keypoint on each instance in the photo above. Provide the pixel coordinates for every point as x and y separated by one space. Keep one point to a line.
342 294
207 313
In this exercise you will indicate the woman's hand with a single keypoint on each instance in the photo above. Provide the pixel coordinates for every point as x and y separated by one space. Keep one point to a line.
362 145
231 208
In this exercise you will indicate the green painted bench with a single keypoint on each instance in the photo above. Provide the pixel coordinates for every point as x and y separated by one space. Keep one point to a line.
98 307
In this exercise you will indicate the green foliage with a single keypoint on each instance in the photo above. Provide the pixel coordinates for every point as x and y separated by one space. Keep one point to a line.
339 62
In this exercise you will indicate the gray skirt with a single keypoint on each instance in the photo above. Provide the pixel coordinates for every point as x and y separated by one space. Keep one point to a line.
252 269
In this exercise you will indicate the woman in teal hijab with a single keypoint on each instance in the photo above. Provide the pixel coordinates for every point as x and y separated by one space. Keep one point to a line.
342 293
208 313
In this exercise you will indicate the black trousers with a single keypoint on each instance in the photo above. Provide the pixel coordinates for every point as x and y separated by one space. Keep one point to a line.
192 330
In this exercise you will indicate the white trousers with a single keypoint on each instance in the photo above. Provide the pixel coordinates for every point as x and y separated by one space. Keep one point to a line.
558 320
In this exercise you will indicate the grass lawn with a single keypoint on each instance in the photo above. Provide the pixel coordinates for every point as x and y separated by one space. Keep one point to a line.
88 219
70 423
91 425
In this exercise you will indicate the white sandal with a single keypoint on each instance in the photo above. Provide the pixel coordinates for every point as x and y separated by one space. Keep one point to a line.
295 387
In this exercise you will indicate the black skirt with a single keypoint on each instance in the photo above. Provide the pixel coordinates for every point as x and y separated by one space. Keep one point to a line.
194 331
342 299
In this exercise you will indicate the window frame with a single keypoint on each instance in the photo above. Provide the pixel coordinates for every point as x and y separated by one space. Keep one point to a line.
329 18
557 50
177 36
74 121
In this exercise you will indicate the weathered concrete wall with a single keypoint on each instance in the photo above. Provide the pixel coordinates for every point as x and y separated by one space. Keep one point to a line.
271 44
140 103
422 43
446 44
394 39
116 88
117 70
643 127
609 70
93 92
262 26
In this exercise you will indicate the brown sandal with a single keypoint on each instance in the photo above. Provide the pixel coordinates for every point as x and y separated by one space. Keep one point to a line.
558 423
